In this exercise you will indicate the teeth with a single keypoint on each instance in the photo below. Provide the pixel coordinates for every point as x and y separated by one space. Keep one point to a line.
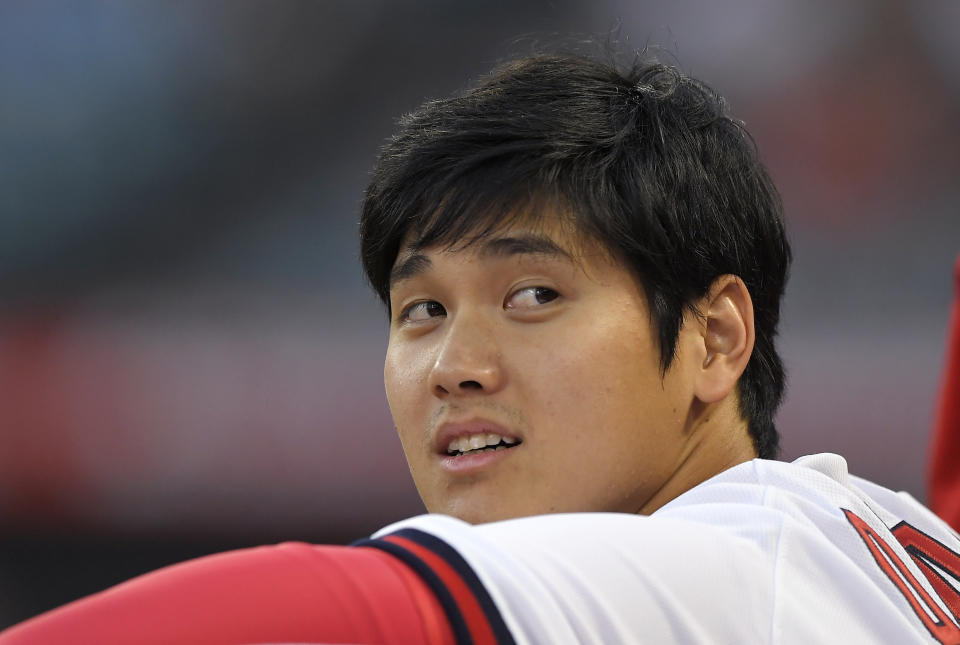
488 440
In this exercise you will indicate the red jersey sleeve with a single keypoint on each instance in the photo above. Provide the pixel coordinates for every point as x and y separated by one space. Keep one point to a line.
290 593
471 612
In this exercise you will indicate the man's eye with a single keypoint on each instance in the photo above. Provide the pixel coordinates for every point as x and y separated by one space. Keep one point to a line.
530 297
420 311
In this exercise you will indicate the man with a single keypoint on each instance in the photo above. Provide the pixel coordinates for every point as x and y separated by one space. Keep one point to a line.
583 268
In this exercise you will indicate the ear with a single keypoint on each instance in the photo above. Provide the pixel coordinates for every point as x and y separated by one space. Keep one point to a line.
728 336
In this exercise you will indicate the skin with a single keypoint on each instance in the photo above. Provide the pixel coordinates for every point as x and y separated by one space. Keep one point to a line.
552 341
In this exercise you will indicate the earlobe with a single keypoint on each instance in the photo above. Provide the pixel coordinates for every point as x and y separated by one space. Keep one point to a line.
728 337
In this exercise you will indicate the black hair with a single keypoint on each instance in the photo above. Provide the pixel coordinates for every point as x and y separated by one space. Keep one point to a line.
642 158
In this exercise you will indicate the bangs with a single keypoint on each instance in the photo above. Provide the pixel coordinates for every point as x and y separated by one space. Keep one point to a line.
472 212
455 209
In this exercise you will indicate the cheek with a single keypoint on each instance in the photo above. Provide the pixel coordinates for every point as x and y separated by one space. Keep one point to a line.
604 374
405 373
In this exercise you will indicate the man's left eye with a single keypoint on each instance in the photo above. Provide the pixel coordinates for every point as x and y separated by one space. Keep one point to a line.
530 297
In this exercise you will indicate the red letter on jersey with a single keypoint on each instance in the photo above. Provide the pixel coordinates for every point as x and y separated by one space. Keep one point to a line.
924 550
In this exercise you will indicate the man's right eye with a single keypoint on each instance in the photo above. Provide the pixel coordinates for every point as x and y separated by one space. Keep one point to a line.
421 311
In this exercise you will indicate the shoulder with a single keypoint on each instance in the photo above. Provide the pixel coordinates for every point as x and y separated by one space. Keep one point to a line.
582 577
744 557
877 562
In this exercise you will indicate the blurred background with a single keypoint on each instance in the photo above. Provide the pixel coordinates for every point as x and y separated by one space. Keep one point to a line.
189 358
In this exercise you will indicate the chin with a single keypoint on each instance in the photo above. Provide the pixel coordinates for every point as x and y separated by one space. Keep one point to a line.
480 516
474 512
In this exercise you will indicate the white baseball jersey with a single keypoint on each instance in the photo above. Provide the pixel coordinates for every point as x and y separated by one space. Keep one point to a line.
765 552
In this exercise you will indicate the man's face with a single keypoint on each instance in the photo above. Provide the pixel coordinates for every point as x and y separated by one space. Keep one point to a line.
523 377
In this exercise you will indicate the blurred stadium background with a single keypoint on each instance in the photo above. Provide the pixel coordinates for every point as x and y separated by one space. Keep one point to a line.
189 358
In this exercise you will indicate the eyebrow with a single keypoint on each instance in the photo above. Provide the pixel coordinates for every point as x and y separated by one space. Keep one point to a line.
499 247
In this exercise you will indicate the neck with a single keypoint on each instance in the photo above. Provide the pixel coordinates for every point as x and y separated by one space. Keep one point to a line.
717 439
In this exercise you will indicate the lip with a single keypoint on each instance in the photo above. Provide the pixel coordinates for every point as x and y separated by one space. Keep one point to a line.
470 464
466 464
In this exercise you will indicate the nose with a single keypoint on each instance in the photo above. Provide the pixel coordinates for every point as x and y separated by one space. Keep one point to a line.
469 361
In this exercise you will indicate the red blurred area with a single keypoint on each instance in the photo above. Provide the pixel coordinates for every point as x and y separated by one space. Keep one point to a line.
39 468
113 425
944 480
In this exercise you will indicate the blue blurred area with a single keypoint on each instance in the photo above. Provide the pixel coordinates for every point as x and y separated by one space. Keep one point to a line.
187 347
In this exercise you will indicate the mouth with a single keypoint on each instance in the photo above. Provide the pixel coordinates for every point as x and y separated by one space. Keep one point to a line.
473 441
474 444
